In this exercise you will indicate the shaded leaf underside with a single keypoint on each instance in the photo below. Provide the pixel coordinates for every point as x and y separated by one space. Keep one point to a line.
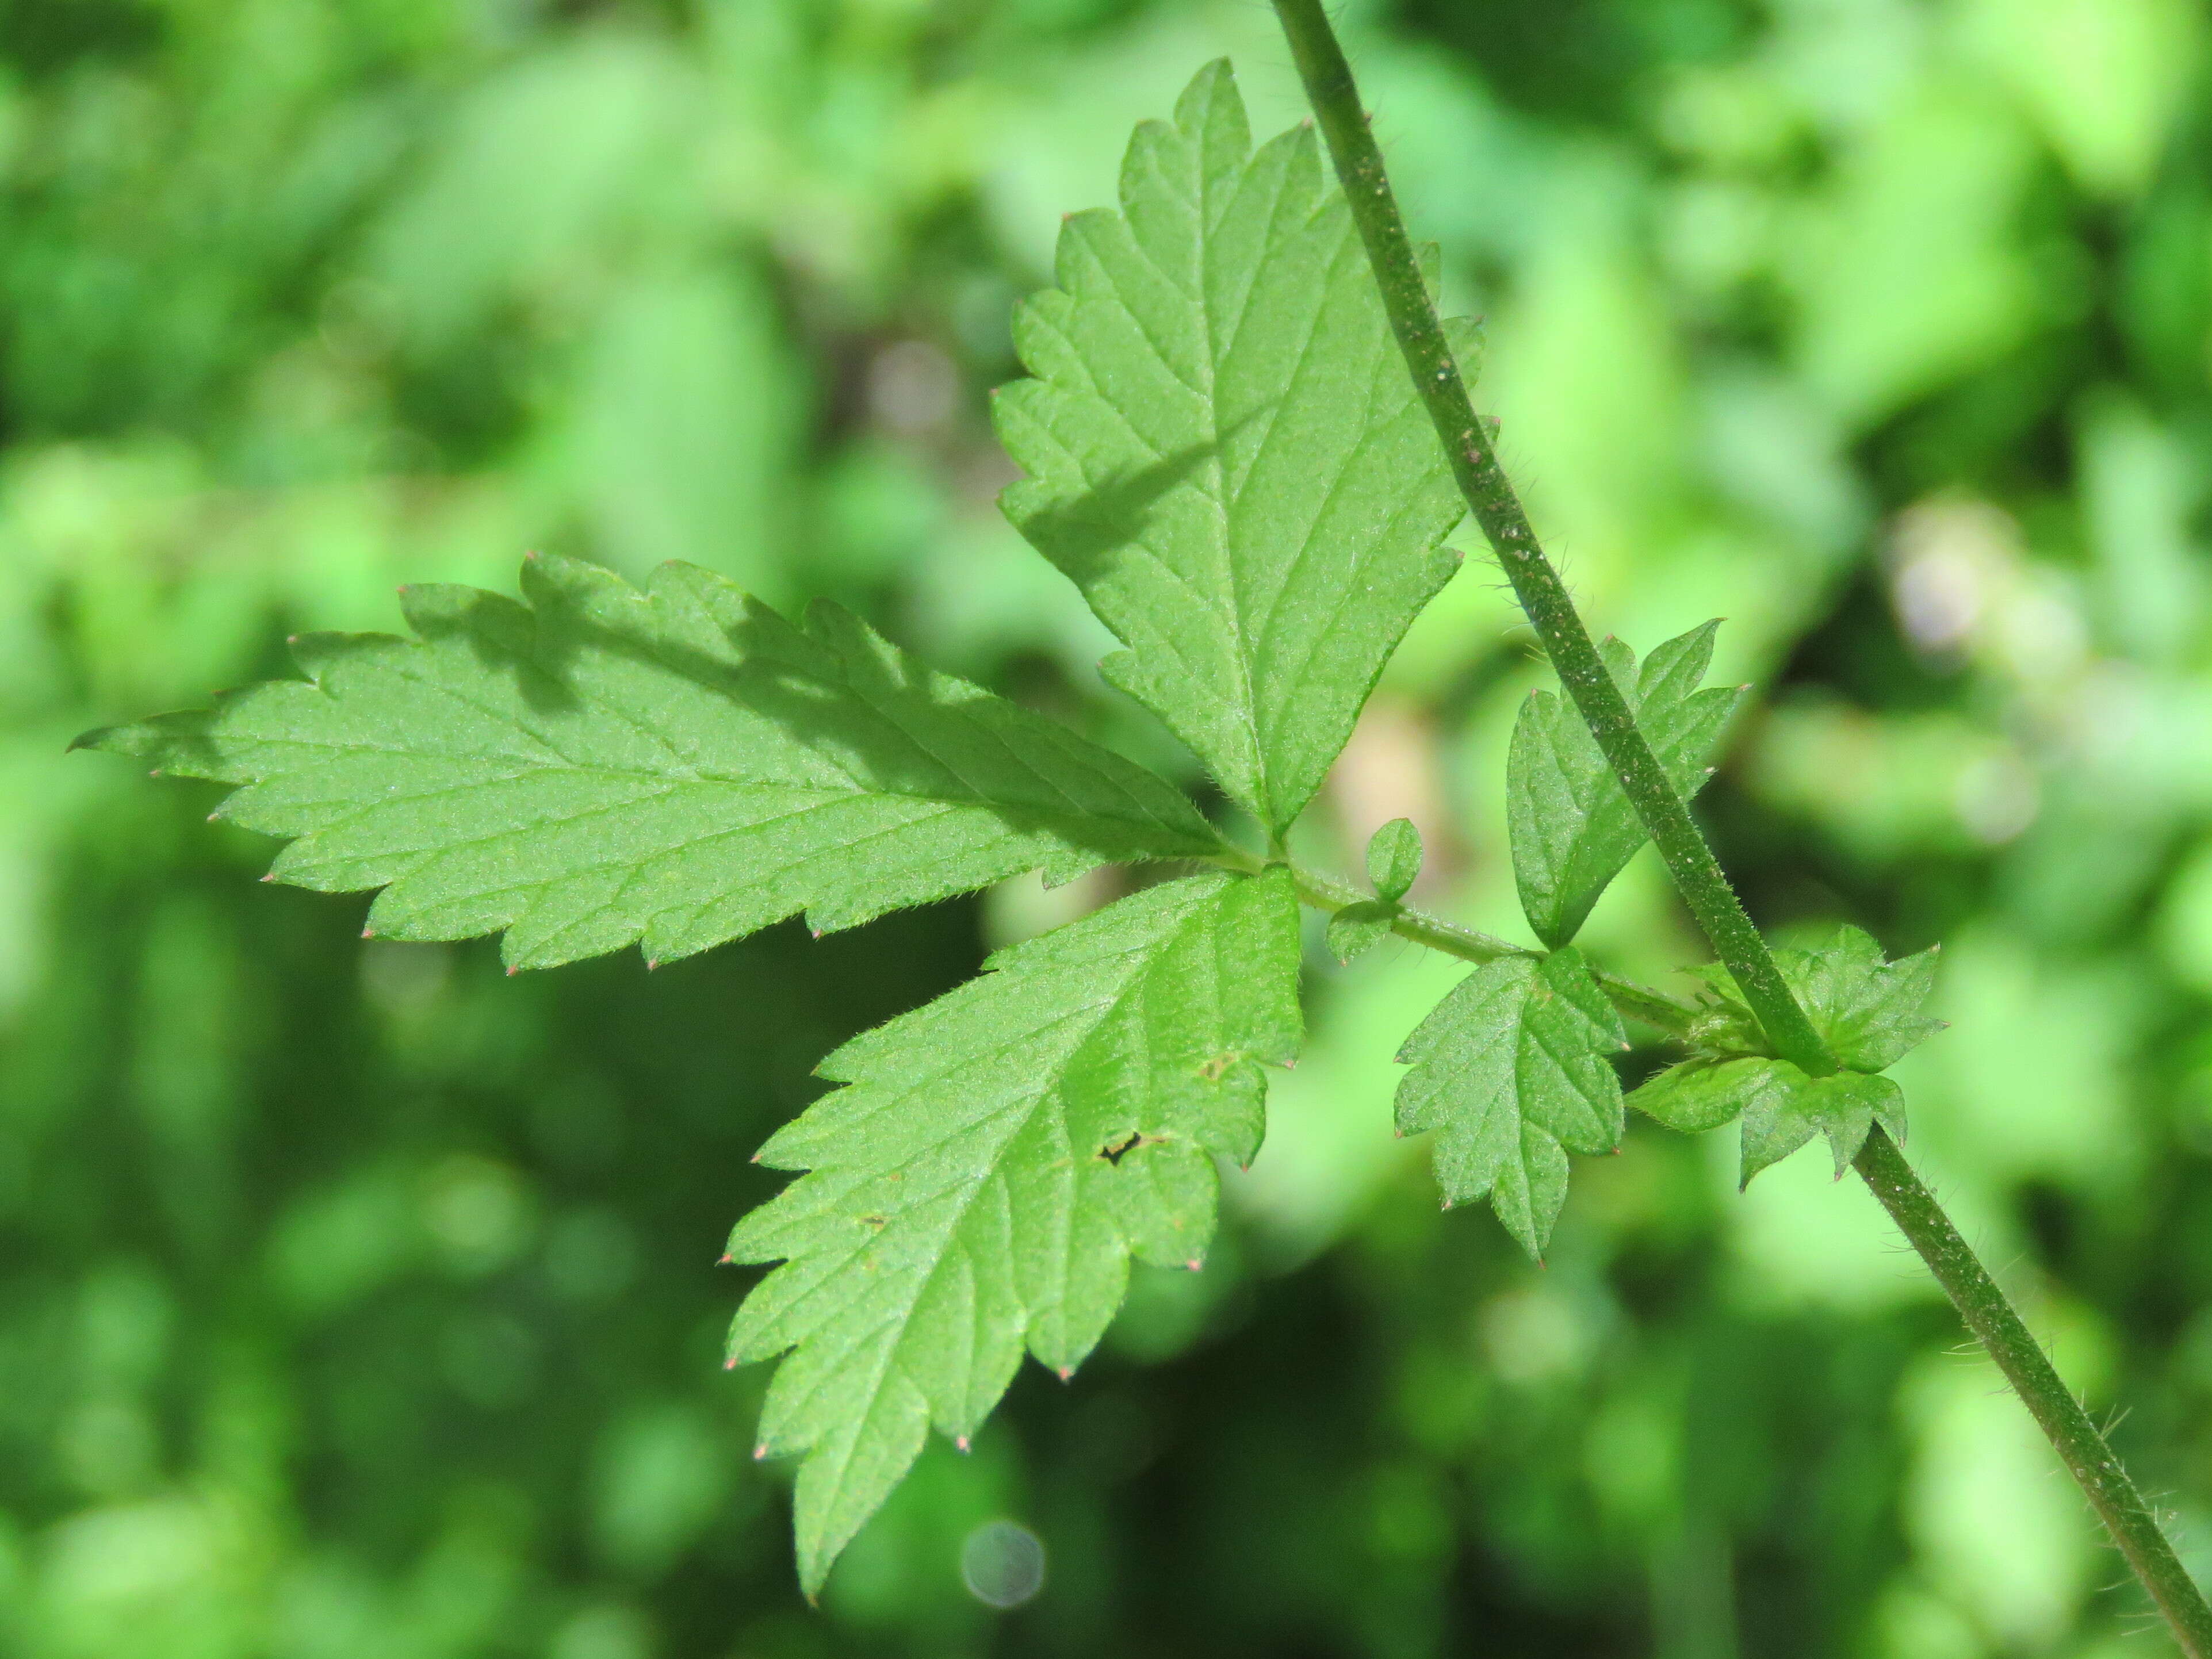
596 766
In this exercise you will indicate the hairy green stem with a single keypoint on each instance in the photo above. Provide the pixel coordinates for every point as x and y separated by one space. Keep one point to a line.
1496 508
1990 1318
1336 99
1327 893
1643 1002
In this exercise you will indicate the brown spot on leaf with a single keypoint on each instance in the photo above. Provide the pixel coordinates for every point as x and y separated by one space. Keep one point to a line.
1211 1071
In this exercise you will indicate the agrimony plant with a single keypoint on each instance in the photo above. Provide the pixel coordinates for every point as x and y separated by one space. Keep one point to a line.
1246 435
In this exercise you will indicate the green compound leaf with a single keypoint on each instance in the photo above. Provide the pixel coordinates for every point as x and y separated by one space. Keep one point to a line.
1393 858
1225 451
1571 827
1782 1106
595 766
1866 1009
994 1162
1512 1071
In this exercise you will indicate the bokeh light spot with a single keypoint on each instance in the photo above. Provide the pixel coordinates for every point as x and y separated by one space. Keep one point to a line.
1002 1564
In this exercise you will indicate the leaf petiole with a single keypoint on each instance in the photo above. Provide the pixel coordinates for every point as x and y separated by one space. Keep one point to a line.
1646 1004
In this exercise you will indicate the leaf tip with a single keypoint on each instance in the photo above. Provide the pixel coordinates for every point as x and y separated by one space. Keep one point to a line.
1065 1373
513 968
760 1452
368 933
272 876
960 1443
155 773
652 962
1194 1264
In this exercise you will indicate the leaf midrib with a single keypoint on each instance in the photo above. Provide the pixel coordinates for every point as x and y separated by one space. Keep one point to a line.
517 766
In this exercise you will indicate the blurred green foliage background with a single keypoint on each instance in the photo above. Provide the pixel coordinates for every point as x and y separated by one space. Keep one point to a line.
357 1302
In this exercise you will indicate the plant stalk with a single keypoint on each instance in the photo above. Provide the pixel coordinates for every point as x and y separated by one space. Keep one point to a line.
1990 1318
1497 510
1336 99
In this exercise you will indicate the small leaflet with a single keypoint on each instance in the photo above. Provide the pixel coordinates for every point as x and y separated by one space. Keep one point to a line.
1359 928
1512 1072
1783 1108
1393 858
1867 1011
1571 827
